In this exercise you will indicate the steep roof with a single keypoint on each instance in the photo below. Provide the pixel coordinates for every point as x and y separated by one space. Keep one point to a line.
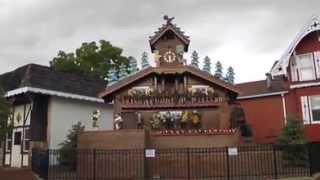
280 68
43 77
167 27
260 88
161 70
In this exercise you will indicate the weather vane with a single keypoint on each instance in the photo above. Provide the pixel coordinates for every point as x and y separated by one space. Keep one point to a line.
166 17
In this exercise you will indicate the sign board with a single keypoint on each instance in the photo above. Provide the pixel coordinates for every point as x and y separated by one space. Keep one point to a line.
232 151
150 153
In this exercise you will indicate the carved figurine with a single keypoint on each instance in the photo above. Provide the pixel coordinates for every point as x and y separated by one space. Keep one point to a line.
140 121
118 122
95 118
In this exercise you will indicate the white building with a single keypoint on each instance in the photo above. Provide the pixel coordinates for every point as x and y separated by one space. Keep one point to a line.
45 105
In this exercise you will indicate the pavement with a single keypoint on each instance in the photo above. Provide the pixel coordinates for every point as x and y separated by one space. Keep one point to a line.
16 174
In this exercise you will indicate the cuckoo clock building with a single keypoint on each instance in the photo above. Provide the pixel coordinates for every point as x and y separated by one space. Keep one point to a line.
174 100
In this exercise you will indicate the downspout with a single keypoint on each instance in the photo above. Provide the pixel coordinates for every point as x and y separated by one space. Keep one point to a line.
284 108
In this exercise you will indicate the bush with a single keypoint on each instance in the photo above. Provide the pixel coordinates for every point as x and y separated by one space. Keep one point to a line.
293 143
67 152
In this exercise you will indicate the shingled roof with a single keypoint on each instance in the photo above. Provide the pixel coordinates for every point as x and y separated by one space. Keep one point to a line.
161 70
167 27
43 77
260 88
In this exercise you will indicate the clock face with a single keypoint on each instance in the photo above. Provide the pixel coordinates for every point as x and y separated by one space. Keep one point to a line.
169 56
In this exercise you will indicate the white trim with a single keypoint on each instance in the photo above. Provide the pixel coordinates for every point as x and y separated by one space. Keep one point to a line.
284 60
263 95
52 93
295 86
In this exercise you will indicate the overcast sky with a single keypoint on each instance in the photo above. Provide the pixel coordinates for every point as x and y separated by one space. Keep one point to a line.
246 34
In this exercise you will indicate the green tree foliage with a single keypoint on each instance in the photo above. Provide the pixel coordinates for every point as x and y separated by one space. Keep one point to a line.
4 113
123 73
91 59
230 75
218 70
133 65
112 76
207 64
68 146
195 59
293 143
144 60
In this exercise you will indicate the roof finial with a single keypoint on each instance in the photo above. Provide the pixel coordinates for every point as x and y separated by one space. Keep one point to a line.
166 17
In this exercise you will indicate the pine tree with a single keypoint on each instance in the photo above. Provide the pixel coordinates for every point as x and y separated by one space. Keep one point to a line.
230 75
144 60
218 71
69 145
123 72
207 65
195 59
133 65
112 76
293 143
292 133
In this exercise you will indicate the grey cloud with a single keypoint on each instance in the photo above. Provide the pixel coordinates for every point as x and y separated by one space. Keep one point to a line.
35 31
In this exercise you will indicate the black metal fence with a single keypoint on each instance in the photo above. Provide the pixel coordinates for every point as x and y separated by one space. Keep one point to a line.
252 162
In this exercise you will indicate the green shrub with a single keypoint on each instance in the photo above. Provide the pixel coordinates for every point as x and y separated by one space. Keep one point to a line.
293 143
67 152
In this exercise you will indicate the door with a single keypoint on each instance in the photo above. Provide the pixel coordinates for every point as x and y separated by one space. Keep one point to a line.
16 147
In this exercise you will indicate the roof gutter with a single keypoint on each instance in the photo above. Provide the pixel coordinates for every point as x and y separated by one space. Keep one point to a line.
52 93
262 95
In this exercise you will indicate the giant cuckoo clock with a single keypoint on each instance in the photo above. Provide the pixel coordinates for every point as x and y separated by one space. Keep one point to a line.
169 44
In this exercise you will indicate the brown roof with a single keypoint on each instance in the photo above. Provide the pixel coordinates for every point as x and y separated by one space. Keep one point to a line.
38 76
160 70
166 27
260 87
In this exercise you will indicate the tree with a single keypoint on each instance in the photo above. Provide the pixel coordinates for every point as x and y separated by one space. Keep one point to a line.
144 60
123 72
68 146
90 59
133 65
218 71
293 143
4 114
207 65
195 59
230 75
112 76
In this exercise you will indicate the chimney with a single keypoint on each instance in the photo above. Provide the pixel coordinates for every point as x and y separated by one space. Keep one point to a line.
269 79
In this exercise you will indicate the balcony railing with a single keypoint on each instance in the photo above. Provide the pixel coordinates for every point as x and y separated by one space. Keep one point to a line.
170 100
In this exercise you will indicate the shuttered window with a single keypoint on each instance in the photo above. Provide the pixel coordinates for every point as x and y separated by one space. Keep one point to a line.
315 108
306 67
310 106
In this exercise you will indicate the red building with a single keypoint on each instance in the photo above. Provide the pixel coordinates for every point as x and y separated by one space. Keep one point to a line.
291 87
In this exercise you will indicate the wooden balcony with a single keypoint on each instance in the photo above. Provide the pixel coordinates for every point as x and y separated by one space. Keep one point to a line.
169 102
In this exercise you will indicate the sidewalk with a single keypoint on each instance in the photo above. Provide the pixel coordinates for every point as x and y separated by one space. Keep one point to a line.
16 174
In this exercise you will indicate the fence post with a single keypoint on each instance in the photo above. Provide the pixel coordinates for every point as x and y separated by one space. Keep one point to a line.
309 146
228 164
275 162
94 164
145 166
188 162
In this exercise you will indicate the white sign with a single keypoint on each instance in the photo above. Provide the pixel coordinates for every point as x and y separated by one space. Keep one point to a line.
150 153
232 151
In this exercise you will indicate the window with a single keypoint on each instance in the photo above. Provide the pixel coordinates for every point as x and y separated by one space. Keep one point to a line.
9 142
306 68
17 138
27 139
315 108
